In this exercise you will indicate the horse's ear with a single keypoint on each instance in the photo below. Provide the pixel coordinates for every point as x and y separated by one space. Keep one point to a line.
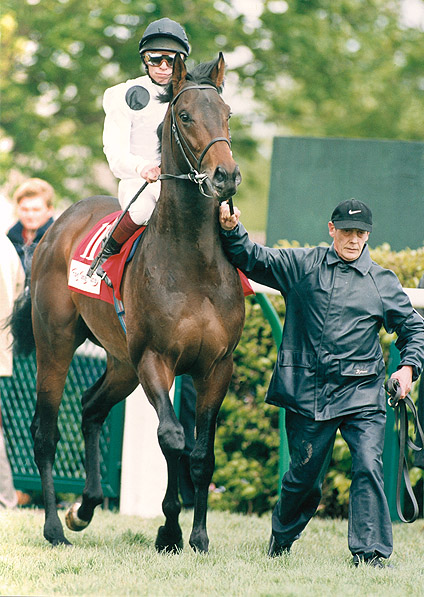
218 71
179 74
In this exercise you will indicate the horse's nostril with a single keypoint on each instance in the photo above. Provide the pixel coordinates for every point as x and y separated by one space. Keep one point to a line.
220 175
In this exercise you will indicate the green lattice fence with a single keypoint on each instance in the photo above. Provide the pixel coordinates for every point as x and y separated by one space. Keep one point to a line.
18 402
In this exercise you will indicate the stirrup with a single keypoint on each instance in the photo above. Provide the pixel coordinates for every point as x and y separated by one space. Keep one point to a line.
109 248
100 272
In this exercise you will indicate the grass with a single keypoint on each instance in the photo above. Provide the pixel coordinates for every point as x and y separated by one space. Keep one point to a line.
116 556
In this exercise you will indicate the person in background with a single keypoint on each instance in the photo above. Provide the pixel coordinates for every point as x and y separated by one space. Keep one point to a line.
133 113
330 370
34 205
12 278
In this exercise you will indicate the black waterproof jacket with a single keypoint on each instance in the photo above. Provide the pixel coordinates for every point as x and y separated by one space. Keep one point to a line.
330 362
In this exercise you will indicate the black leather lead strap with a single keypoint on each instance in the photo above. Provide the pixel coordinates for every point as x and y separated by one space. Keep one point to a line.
401 414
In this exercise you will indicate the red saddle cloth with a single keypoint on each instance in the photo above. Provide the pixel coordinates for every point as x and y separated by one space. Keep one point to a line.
89 247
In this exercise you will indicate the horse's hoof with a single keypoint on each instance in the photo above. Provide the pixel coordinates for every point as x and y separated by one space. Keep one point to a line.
175 548
53 533
62 541
198 549
164 544
199 545
73 522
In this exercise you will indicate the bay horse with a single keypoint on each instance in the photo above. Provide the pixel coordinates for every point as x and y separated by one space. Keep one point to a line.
184 308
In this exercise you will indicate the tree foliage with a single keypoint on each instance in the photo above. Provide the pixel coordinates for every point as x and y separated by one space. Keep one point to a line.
347 68
58 58
312 67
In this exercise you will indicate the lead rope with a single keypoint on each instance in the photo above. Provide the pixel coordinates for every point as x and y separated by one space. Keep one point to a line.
401 414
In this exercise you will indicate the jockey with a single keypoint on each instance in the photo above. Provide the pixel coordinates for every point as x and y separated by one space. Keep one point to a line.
132 116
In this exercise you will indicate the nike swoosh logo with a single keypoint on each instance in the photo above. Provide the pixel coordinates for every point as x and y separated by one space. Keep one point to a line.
357 211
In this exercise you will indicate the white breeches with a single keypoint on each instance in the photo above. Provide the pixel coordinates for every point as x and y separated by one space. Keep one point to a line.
142 208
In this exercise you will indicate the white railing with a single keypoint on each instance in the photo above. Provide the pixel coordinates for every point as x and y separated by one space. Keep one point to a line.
416 295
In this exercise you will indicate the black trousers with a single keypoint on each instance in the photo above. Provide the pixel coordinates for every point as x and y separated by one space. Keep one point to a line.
310 444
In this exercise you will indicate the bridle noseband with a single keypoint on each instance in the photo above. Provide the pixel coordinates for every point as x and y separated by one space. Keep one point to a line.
194 174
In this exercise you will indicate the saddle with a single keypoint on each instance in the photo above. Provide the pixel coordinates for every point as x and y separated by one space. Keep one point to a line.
90 246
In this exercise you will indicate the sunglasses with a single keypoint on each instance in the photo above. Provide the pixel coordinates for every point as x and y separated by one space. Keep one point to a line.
156 59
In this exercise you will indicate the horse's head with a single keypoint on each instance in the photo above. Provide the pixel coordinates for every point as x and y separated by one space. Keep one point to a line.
197 119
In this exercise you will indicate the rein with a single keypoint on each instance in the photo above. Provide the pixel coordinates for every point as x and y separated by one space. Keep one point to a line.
401 414
194 174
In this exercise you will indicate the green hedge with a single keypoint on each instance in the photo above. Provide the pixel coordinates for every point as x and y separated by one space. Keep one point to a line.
247 439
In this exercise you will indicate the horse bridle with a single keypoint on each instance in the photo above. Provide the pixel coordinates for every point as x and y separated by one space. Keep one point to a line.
194 174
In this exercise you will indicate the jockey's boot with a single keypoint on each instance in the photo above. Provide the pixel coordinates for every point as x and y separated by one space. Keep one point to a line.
113 244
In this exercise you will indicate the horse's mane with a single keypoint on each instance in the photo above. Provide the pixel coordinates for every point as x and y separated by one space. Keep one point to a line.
200 75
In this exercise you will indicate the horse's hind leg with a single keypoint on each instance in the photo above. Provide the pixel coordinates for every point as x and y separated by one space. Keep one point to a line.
117 383
52 368
46 435
58 331
210 394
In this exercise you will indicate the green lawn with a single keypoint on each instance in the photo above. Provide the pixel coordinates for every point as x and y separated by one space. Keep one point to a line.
116 556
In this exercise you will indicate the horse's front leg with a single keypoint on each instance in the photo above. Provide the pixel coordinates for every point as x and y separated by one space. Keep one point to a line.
210 395
171 441
155 382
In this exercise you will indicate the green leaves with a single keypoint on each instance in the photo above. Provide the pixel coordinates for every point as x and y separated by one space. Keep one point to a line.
315 68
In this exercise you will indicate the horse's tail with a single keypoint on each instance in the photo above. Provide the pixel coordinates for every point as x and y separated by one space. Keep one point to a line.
20 324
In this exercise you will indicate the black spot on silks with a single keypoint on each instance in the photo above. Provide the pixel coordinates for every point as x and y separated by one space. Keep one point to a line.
137 97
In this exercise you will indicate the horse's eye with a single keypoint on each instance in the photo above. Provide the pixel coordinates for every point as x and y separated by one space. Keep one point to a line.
184 117
229 115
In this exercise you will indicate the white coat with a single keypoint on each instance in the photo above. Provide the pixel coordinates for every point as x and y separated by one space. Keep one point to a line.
12 278
132 116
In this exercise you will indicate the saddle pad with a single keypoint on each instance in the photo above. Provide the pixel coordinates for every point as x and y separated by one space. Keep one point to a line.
114 266
87 251
245 284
